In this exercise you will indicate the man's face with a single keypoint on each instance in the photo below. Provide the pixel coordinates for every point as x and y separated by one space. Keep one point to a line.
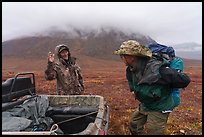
64 54
129 60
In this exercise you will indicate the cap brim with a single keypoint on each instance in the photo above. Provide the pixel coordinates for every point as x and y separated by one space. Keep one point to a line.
62 49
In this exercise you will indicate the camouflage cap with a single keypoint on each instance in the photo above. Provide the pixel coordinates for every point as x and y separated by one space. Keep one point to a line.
132 47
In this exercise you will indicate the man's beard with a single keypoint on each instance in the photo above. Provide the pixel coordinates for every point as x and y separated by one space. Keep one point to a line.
66 58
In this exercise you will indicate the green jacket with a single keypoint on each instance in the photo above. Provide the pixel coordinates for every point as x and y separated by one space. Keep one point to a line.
153 96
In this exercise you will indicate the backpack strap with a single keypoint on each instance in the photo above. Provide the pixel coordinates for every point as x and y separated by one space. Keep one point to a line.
151 72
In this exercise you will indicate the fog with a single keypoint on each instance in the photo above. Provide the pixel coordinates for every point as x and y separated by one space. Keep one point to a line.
165 22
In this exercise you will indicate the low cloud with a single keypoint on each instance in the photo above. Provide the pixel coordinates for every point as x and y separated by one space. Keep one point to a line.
167 23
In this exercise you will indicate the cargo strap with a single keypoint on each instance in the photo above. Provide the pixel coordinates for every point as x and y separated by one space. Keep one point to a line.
77 117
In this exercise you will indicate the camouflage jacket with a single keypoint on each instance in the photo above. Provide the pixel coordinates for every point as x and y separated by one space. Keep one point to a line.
68 75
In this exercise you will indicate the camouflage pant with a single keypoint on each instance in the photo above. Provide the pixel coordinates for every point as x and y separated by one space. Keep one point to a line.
155 122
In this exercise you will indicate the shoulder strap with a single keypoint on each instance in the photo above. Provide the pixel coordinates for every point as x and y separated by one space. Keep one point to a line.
151 72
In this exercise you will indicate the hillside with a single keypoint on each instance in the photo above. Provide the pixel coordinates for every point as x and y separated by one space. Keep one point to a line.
94 44
190 50
93 49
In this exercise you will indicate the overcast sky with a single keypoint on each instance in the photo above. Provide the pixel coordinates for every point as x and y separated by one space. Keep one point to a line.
165 22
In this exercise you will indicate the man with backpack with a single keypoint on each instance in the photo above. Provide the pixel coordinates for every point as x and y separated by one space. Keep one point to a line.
151 79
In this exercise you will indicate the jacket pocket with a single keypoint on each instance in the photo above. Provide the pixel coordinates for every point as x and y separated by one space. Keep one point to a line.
148 93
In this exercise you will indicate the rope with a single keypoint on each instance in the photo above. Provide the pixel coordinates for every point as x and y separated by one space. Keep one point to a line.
77 117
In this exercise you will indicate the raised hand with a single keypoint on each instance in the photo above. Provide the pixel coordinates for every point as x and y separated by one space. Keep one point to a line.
50 57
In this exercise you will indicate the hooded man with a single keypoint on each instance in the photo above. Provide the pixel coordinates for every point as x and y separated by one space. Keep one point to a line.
66 71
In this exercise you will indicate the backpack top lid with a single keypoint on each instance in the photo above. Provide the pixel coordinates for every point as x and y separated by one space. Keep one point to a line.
163 49
176 62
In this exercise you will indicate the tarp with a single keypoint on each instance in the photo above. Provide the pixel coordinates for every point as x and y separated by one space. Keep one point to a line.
29 116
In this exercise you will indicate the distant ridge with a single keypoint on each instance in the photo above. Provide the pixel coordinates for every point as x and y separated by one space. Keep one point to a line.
98 44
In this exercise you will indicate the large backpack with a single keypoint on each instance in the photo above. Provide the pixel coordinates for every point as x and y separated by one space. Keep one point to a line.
168 53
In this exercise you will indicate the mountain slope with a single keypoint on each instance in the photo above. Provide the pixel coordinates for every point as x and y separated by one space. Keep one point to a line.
92 49
94 44
190 50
